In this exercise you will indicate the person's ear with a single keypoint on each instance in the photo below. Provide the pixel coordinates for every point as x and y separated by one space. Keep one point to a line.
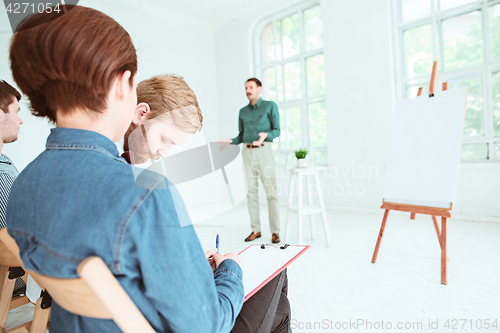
122 85
140 114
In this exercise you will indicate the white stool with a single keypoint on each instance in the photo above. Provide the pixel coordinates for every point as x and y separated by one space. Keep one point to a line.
300 210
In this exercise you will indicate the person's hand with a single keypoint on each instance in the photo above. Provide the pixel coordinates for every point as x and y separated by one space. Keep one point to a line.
262 137
220 258
225 143
210 258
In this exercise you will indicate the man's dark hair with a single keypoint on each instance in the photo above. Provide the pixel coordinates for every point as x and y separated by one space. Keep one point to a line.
257 81
6 93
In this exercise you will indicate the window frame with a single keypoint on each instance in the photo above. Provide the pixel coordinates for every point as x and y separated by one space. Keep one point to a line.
259 67
485 70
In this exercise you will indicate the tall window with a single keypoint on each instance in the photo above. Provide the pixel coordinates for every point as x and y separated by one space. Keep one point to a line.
289 59
464 35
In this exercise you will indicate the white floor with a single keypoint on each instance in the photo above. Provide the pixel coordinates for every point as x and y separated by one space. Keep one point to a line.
337 286
331 288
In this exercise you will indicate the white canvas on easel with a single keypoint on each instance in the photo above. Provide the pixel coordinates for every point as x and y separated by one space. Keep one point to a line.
424 151
424 160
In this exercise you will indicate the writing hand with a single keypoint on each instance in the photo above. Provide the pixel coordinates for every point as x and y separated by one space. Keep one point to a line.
210 258
220 258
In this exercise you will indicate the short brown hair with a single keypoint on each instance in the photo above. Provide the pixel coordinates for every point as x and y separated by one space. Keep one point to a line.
63 61
169 92
7 92
257 81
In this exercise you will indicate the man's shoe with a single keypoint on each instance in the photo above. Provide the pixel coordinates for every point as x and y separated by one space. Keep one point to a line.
276 238
252 236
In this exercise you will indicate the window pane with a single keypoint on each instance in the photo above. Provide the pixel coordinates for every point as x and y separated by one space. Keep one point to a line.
282 138
474 152
412 90
320 158
495 31
418 50
282 159
413 9
496 151
315 68
495 83
293 128
268 43
291 36
292 80
280 83
463 40
313 28
288 159
317 124
447 4
474 118
279 33
270 84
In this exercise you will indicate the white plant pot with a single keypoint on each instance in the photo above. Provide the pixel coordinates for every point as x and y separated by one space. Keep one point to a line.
301 163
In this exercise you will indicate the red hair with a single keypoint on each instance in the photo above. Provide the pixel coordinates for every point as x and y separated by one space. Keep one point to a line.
68 60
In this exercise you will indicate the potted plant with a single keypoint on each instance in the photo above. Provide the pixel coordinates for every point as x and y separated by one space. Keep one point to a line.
301 155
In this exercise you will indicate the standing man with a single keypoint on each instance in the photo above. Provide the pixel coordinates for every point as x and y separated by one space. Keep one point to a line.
259 124
9 129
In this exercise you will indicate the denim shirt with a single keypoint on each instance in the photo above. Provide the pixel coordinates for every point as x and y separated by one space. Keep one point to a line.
79 199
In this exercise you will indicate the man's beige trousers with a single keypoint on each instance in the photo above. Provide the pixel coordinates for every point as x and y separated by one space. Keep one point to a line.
259 162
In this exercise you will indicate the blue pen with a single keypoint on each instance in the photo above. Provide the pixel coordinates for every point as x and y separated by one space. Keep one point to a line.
217 243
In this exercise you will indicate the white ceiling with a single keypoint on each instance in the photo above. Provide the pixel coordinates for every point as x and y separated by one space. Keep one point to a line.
213 9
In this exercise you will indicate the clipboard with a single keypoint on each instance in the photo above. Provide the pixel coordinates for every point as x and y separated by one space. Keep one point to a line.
262 265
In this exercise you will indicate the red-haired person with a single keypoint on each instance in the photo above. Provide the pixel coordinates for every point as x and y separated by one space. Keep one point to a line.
79 198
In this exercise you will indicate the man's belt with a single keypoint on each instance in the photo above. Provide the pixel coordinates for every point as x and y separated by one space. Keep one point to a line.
251 146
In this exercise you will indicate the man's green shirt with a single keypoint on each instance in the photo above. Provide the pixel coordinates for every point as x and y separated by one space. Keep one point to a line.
262 117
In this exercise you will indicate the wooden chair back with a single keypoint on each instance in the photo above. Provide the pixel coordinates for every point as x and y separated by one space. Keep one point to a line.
96 294
10 258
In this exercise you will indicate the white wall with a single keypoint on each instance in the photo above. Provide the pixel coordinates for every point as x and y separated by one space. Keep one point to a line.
167 42
360 90
34 131
216 58
358 69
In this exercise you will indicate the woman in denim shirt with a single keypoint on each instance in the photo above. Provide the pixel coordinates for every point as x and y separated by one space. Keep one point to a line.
79 198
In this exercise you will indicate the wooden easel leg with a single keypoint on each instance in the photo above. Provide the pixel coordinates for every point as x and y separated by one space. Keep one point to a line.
444 250
380 234
438 230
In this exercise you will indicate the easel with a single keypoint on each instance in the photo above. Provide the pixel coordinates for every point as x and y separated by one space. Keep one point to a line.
444 213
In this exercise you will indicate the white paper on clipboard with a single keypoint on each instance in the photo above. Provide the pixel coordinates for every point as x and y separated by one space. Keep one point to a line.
261 265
